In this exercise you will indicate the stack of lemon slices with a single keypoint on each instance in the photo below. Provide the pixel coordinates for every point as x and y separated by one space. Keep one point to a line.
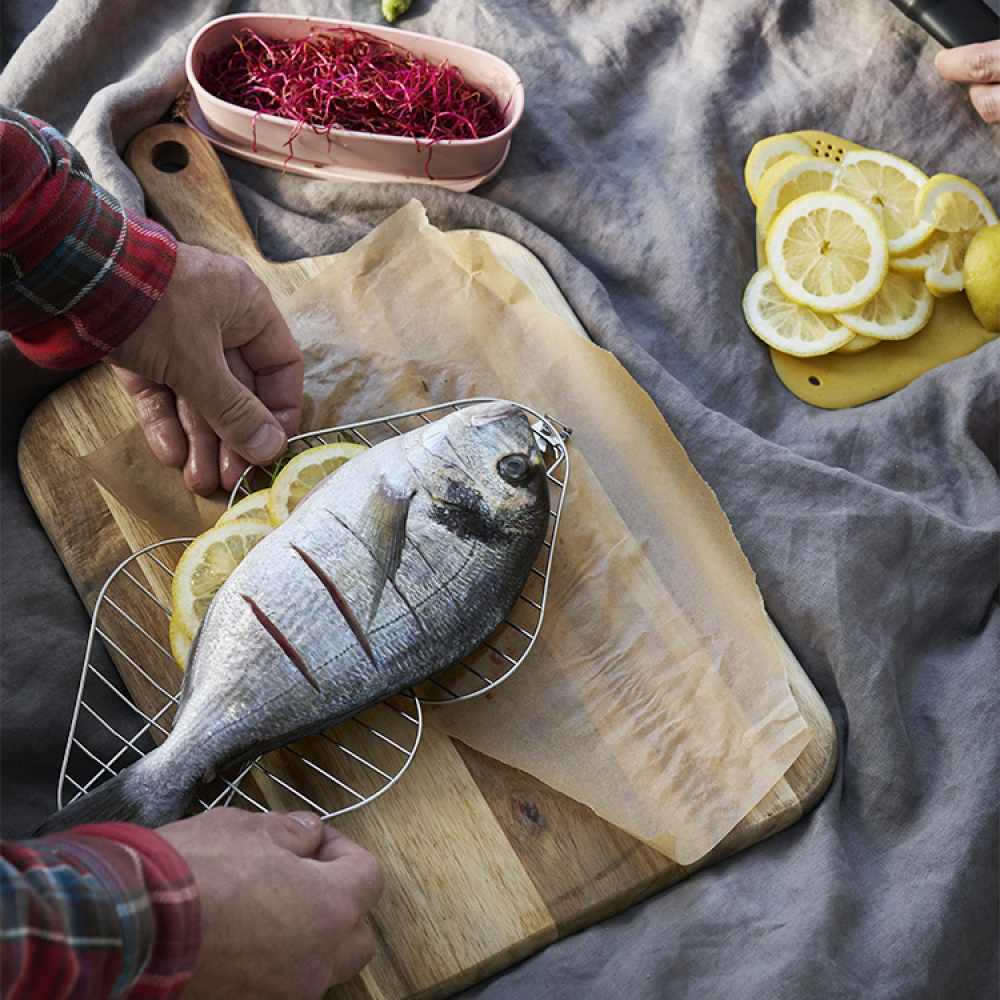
215 553
853 253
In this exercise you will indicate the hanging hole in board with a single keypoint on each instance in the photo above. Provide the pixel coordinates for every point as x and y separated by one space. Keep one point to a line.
813 380
170 157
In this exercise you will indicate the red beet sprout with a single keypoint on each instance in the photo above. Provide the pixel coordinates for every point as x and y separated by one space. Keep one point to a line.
347 79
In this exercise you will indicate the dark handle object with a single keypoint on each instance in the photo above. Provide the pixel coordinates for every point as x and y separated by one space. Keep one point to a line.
953 22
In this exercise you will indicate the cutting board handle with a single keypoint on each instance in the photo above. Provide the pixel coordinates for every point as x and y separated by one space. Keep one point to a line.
187 189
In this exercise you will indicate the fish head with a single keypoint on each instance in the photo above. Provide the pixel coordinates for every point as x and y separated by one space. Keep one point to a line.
482 469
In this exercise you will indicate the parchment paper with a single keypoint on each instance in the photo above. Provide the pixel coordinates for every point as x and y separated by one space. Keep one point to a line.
128 470
656 694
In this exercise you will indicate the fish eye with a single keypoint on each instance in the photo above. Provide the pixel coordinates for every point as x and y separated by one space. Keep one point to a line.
514 469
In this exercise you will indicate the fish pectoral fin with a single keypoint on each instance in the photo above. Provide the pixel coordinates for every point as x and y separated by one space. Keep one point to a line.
383 529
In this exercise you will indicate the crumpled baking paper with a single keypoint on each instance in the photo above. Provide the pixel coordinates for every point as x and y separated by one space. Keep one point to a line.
657 693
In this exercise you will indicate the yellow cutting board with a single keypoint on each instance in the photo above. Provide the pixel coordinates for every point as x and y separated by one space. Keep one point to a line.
837 381
484 864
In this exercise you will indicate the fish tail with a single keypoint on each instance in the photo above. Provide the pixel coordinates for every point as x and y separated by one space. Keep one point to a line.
125 798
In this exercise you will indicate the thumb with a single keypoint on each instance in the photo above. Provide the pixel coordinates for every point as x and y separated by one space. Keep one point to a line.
242 421
298 832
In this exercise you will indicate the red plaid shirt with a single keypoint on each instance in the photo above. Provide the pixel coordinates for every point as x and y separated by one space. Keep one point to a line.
99 912
78 271
111 910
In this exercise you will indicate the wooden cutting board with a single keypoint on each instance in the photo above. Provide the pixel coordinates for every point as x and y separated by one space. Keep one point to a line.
484 864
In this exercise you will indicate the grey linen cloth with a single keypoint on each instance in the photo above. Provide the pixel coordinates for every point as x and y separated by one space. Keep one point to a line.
873 531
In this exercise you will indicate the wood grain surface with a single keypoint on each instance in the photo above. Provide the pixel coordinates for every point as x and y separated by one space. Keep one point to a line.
484 864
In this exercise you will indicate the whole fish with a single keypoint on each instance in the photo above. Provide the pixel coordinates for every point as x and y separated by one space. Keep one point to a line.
395 566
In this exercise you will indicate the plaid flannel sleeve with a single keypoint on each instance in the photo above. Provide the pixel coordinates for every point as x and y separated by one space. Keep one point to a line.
99 912
78 271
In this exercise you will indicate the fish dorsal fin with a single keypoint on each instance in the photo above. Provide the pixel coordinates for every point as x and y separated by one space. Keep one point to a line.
382 525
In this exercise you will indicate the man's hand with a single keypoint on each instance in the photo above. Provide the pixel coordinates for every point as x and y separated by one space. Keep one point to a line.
283 904
978 65
214 373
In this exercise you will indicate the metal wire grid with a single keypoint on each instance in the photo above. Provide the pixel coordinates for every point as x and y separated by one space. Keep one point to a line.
116 722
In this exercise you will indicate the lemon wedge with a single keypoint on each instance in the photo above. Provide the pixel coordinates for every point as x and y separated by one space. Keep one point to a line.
982 276
202 570
786 326
303 472
827 251
889 186
766 152
901 307
251 508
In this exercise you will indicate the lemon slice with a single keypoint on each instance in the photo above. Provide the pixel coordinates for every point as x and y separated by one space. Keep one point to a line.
899 309
915 262
787 179
303 472
202 570
858 344
940 262
766 152
889 186
828 252
953 204
787 326
982 276
958 210
250 508
181 642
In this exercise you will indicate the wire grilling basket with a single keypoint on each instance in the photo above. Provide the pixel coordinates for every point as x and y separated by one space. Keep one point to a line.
129 683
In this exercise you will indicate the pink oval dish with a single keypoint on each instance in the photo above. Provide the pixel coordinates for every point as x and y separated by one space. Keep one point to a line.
459 164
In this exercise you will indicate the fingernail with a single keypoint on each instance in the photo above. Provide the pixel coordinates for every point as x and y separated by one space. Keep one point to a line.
308 820
286 418
266 444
